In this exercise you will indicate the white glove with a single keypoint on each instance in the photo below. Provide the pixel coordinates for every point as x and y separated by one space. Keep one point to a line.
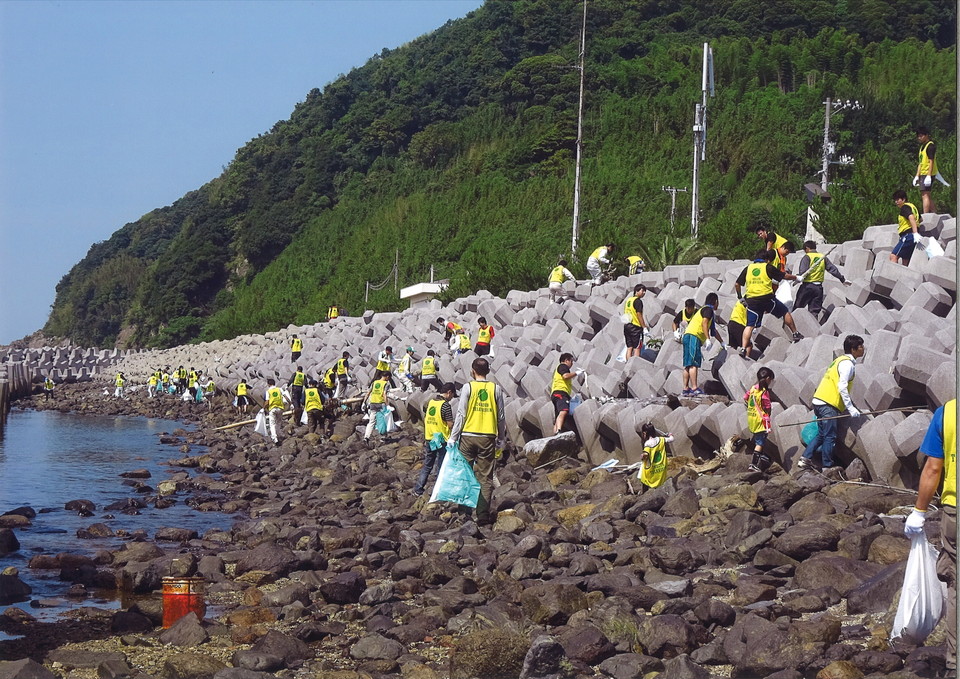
853 412
708 345
678 335
579 371
916 180
914 523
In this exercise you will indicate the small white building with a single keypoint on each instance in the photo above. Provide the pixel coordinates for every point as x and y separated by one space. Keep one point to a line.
421 293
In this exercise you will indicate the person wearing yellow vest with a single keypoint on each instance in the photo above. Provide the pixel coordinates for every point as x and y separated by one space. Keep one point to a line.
273 402
209 389
561 390
377 399
811 272
47 388
429 370
333 312
480 429
449 328
940 447
908 228
242 402
830 400
695 339
653 469
342 369
682 319
181 375
385 363
774 241
437 424
635 264
329 383
599 257
297 383
926 168
759 410
313 403
634 327
165 380
151 385
296 348
405 370
485 333
558 276
462 341
192 379
118 383
757 285
736 324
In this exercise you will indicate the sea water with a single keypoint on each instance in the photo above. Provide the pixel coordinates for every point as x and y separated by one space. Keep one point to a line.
49 458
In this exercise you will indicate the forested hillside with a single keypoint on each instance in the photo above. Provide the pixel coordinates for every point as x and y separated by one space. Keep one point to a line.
457 150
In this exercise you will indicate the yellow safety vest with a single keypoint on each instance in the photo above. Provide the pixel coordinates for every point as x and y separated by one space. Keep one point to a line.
828 390
818 266
777 242
274 398
556 276
242 389
631 312
165 378
739 314
341 366
157 375
296 344
596 254
433 422
312 399
905 223
949 494
118 381
429 366
561 384
695 326
755 410
927 166
634 262
481 409
182 374
381 364
299 378
333 313
210 387
759 282
378 391
328 378
464 342
48 383
152 381
483 335
654 470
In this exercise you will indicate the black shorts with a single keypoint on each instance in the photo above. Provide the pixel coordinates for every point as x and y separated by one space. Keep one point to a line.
243 400
734 334
482 349
633 336
561 402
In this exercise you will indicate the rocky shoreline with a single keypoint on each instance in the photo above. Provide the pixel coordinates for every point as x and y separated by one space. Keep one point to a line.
341 572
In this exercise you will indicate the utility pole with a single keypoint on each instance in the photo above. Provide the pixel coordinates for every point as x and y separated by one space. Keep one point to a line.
673 191
828 146
700 135
576 181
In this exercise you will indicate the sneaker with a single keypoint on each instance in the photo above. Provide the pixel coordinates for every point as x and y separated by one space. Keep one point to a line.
804 463
754 468
797 337
697 392
741 351
686 392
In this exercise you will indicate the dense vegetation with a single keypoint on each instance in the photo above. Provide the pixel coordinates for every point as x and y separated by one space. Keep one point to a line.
456 151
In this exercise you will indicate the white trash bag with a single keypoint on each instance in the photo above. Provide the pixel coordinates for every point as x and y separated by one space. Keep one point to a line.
785 294
932 247
260 426
922 597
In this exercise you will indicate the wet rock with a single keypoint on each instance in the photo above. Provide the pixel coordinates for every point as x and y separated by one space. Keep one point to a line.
185 632
95 530
125 622
26 668
8 541
136 474
12 588
81 507
14 521
172 534
344 588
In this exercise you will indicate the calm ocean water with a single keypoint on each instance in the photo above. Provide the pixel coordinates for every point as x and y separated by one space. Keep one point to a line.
49 458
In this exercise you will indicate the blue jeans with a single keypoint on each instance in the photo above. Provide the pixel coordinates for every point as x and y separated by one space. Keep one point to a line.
432 459
826 436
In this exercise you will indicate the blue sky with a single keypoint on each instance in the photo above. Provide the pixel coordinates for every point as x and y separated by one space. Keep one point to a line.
111 109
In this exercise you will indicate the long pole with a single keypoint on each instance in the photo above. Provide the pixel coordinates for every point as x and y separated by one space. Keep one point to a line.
576 181
826 145
699 142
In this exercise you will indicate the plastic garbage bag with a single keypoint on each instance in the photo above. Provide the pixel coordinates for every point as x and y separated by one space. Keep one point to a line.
303 417
381 422
809 432
575 403
391 422
932 247
785 294
455 480
260 426
622 356
612 462
922 596
437 442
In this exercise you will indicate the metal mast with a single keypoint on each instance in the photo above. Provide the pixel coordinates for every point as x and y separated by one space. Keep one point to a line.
700 136
576 181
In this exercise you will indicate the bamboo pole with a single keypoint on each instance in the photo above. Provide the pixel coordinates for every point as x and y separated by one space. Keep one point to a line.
286 412
866 412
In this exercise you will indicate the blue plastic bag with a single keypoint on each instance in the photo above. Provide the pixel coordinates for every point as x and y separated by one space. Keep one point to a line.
455 480
381 420
809 432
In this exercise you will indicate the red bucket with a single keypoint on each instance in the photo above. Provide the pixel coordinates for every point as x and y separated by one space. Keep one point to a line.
182 596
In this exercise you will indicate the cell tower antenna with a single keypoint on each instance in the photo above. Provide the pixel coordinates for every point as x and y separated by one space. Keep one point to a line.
700 135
